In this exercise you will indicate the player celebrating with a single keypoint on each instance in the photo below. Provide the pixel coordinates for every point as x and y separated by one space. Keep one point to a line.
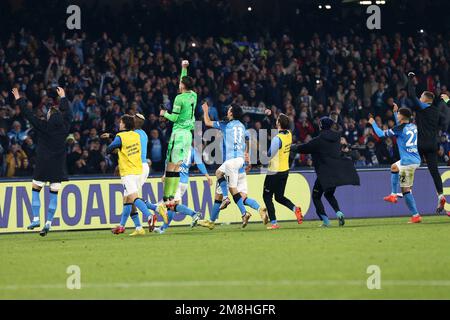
278 172
331 168
235 144
406 134
427 120
51 154
194 157
183 117
139 121
128 144
243 190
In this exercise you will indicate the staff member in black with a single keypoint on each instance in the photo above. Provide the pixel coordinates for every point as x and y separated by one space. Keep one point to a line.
278 172
427 121
332 169
50 154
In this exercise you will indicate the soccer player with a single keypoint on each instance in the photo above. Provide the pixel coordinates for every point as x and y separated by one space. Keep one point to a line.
183 117
50 154
128 145
278 172
235 145
427 120
194 157
139 121
331 168
243 190
406 133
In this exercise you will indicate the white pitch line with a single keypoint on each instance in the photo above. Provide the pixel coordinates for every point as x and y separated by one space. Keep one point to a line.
236 283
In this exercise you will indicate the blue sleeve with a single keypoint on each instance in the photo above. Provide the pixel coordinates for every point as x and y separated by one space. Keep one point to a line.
274 147
422 105
116 144
217 125
199 162
381 133
396 117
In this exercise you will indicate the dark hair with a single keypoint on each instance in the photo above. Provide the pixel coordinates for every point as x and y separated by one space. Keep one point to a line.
284 121
139 121
405 112
430 95
128 121
237 112
188 82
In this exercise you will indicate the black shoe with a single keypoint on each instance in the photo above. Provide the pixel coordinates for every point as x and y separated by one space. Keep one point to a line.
44 231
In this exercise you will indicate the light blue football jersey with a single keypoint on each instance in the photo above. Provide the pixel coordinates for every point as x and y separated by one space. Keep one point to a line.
234 137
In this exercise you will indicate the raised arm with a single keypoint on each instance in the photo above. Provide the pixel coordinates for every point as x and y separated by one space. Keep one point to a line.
395 109
417 104
380 133
208 122
184 69
64 106
38 124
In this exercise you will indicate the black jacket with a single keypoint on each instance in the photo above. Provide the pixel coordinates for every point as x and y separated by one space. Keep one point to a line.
51 142
333 170
427 121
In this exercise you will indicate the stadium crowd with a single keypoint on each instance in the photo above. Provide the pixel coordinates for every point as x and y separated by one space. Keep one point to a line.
347 76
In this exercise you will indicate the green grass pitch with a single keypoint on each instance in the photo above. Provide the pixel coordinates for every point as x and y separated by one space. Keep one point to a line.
295 262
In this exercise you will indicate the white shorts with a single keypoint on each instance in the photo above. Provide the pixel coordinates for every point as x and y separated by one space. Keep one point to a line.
406 174
241 185
131 184
231 170
145 173
53 186
182 188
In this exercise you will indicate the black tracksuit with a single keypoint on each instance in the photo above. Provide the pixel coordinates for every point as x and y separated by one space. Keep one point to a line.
428 123
51 136
332 169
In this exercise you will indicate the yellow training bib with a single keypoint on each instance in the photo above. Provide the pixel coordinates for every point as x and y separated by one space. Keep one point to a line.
280 162
130 162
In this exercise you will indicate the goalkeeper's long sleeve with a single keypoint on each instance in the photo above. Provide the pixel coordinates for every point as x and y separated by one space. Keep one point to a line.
184 73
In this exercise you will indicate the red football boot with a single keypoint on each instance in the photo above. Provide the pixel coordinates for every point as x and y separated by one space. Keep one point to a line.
392 198
273 227
299 215
118 230
415 219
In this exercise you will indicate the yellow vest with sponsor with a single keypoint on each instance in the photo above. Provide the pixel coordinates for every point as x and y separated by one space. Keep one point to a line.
130 162
280 162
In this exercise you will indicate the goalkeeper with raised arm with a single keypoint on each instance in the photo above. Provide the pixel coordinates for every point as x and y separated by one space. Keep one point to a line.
183 117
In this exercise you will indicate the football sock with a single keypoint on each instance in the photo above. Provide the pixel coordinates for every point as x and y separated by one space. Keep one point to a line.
274 222
170 215
171 184
240 203
140 204
52 206
184 210
215 211
411 203
151 206
35 204
251 203
325 219
125 215
127 208
135 218
223 186
394 182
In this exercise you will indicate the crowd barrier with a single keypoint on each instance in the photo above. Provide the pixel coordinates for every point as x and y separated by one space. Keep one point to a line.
96 203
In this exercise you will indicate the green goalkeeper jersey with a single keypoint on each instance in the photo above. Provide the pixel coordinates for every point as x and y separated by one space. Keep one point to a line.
183 112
